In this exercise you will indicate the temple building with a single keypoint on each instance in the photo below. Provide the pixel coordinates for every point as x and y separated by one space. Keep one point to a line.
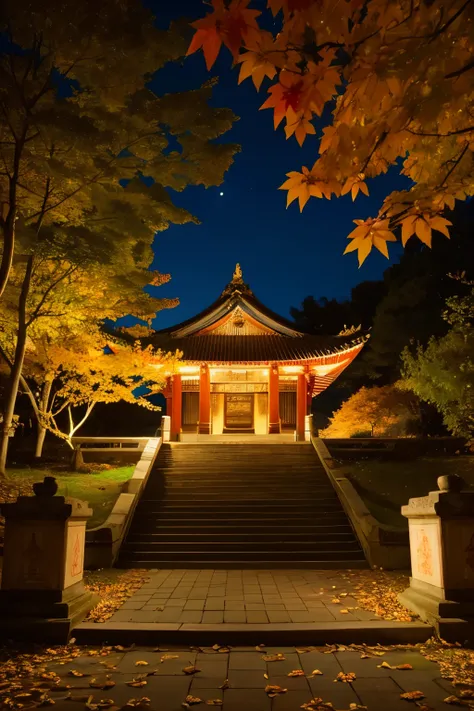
246 369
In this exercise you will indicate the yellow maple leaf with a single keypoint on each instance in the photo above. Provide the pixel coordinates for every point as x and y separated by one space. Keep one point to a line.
256 62
422 225
354 184
298 124
370 233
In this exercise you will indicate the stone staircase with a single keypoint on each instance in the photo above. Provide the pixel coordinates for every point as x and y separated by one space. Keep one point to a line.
239 505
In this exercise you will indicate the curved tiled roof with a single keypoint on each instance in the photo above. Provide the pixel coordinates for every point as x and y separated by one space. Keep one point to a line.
280 341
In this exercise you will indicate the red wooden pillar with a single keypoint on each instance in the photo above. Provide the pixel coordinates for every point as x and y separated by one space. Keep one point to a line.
204 425
176 407
301 405
273 401
168 396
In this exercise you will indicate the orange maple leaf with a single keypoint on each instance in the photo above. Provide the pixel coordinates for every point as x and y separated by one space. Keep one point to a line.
422 225
370 233
302 186
225 25
255 62
298 124
284 95
354 184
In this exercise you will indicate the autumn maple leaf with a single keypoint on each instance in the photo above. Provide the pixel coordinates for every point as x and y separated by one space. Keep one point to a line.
302 186
298 124
255 62
354 184
422 225
370 233
225 25
284 95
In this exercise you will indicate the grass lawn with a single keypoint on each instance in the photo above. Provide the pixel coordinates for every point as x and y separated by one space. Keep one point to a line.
99 488
385 486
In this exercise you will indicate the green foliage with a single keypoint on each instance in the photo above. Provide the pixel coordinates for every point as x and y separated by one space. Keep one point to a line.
374 412
79 128
442 373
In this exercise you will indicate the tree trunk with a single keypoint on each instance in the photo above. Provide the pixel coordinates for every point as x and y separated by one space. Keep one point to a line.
17 367
43 408
40 437
10 218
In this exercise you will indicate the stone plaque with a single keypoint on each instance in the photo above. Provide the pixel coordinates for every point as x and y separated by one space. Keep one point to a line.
75 543
426 552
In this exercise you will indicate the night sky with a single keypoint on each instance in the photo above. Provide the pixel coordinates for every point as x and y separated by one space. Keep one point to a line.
284 255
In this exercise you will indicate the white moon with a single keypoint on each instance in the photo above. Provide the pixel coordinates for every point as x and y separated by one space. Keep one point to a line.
221 194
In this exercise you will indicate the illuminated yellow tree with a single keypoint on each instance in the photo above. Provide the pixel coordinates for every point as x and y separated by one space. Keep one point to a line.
68 299
72 378
392 85
374 412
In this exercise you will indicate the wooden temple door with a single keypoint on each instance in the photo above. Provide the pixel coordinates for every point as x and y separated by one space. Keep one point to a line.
238 411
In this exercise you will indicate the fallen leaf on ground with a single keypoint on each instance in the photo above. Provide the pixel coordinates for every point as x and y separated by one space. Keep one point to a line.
346 678
316 672
141 663
101 684
399 667
296 672
191 670
136 683
167 657
265 676
273 690
279 657
412 695
76 673
193 700
344 612
214 702
225 685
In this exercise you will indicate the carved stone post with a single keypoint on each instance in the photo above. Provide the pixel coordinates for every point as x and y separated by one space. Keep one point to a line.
42 594
441 527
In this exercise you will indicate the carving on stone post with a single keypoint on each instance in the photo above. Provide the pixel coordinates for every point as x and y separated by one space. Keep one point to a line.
441 528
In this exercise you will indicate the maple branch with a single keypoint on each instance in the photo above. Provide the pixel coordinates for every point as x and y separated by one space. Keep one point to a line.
452 19
458 72
52 286
441 135
378 142
455 163
96 177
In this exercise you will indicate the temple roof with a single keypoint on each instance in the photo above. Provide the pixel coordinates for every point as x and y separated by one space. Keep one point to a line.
238 328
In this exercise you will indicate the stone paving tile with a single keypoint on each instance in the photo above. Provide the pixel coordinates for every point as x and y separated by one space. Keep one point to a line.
248 699
246 679
297 596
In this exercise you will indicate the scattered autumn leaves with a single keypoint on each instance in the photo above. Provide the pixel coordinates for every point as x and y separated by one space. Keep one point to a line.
27 681
113 587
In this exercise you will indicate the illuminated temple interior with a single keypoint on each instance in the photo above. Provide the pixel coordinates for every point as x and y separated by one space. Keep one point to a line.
247 370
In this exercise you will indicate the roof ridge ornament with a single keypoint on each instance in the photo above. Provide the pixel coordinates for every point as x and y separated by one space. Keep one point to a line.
237 276
237 285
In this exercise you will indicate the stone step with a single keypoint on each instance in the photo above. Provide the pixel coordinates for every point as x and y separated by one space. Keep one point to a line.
239 506
231 541
224 556
198 528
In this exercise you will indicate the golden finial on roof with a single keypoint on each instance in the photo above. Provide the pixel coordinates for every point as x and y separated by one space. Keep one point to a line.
237 273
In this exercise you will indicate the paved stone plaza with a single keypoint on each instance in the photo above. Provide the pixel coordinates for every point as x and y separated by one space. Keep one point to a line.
244 673
243 596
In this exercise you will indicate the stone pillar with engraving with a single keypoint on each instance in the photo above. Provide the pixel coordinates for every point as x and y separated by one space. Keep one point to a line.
441 528
42 595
